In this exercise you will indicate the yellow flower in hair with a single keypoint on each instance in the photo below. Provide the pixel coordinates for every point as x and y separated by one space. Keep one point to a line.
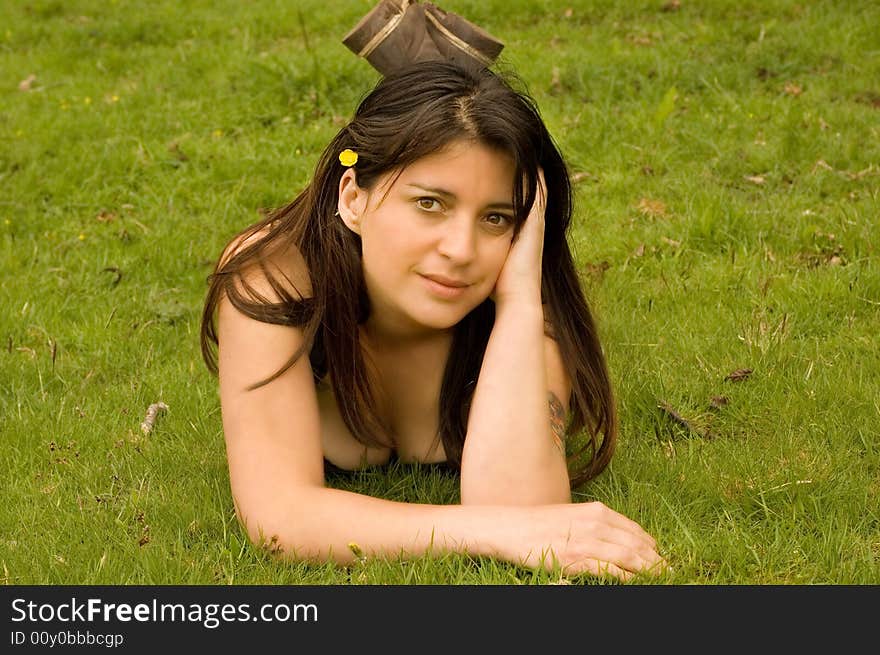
348 157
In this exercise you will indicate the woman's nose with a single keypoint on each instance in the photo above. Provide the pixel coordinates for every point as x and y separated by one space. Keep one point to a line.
458 240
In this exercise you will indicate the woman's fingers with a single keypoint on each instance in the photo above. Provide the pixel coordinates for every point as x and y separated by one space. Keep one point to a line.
629 535
609 541
536 218
599 569
619 560
590 538
618 520
520 276
632 552
540 203
624 549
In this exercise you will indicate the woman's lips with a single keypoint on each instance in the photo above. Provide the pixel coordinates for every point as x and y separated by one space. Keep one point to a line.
444 290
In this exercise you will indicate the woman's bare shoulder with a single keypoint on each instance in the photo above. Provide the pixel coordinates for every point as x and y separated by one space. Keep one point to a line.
281 259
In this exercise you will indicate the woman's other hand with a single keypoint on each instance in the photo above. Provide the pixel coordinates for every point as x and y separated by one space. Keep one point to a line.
520 277
583 538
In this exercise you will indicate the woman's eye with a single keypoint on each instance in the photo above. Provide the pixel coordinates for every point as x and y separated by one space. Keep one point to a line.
498 220
427 203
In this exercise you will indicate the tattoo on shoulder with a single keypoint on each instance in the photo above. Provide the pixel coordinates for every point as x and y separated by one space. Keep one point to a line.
557 421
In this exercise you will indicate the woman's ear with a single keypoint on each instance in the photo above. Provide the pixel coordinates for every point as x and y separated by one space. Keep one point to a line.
352 201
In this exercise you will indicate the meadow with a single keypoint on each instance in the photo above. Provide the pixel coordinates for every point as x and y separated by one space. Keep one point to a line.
726 160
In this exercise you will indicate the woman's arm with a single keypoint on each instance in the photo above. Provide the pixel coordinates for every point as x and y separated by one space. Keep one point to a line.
511 452
324 524
510 456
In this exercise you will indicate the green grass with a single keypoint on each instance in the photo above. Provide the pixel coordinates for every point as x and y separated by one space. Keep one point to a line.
730 161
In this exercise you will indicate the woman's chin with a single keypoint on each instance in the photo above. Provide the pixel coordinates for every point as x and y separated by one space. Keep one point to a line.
441 323
445 317
437 316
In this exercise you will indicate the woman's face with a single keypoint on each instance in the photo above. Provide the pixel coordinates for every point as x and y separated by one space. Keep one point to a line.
448 216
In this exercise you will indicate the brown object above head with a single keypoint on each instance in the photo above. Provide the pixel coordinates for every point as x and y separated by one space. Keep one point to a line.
396 33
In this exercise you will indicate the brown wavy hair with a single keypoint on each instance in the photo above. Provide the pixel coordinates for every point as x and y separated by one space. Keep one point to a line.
412 113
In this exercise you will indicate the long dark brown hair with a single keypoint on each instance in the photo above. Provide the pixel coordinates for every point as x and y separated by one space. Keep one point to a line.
415 112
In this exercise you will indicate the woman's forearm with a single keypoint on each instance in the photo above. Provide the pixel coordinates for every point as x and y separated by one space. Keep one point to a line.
509 454
321 524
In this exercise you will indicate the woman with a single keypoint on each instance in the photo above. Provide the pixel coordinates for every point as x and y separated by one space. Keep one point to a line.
425 274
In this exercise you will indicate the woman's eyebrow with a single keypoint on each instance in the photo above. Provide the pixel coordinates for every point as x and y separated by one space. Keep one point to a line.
449 194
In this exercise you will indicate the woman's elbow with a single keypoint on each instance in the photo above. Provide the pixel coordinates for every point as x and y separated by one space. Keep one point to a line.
275 525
